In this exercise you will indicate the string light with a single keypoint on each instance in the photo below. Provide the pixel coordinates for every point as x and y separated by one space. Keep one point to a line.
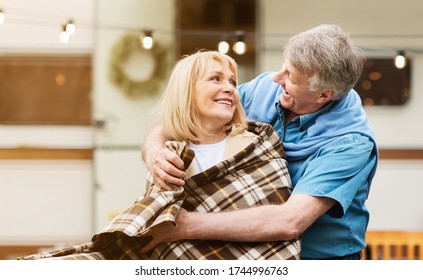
64 36
67 31
147 39
400 61
2 16
223 45
70 27
240 47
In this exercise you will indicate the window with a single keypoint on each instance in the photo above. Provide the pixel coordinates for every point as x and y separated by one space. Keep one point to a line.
381 83
45 90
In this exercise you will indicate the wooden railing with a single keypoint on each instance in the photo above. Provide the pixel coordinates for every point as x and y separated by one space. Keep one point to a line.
393 245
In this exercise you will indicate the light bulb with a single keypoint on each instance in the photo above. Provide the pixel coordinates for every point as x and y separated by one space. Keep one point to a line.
223 47
240 47
70 27
64 36
147 40
400 60
2 17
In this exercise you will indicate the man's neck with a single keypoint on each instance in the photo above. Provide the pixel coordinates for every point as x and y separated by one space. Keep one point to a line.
289 116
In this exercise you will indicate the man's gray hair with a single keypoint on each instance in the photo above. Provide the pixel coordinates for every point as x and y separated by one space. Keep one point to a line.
327 54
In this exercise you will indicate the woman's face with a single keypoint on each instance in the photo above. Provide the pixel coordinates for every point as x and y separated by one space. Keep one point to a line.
216 96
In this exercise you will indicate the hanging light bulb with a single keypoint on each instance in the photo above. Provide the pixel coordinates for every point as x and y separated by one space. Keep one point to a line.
400 60
223 45
2 17
240 47
70 27
147 39
64 36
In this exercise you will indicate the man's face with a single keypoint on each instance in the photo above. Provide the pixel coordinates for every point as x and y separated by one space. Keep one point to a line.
297 96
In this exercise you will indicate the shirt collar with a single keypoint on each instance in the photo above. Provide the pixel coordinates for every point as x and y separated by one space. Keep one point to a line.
304 121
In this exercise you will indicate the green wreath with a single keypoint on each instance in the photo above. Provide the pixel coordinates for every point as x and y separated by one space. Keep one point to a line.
121 51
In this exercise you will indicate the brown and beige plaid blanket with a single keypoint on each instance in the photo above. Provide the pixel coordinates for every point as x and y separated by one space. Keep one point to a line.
257 175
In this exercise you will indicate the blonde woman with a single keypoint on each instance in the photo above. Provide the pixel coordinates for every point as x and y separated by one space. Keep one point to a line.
231 164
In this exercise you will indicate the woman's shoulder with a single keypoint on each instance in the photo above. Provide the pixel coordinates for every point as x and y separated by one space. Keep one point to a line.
243 137
238 142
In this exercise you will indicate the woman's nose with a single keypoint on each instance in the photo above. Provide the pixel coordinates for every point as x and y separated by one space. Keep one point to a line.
228 87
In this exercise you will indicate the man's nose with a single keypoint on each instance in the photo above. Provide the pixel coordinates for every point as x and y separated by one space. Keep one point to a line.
278 77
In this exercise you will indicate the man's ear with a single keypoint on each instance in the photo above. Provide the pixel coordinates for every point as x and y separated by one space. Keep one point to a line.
325 96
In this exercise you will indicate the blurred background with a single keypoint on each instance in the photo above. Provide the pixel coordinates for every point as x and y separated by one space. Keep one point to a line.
79 80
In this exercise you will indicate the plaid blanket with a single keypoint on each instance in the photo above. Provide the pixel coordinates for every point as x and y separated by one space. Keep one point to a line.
257 175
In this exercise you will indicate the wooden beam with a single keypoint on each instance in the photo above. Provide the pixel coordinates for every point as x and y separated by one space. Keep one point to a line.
87 154
407 154
46 154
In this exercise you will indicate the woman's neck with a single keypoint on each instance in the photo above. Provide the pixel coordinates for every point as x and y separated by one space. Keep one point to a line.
210 137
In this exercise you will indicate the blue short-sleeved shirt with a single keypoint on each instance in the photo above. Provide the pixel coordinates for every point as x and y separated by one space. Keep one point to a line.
340 166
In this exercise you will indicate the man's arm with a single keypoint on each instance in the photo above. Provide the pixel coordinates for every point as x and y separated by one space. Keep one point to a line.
258 224
165 166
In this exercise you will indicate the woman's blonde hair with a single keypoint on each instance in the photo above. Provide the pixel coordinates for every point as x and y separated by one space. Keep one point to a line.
177 112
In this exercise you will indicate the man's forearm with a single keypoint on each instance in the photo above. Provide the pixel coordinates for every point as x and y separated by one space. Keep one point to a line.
248 225
152 142
257 224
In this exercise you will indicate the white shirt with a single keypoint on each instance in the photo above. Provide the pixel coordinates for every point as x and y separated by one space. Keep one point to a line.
207 155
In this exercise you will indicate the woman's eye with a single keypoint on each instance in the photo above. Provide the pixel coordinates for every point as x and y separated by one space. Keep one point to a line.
233 83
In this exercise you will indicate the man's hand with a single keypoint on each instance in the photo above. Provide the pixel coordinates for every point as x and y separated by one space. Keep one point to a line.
166 168
164 165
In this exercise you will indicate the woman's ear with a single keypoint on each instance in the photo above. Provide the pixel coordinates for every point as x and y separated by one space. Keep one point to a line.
325 96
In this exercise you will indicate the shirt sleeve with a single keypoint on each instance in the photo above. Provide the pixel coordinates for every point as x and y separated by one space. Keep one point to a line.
339 170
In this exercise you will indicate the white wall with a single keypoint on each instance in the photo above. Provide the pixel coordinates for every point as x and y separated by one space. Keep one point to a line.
46 201
34 26
395 196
